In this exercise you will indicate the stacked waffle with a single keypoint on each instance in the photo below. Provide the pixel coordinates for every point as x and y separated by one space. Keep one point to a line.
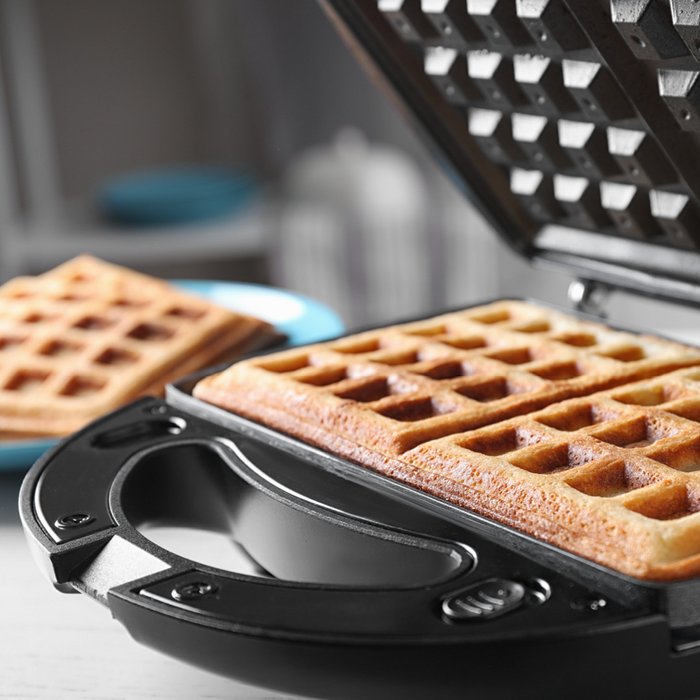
86 337
575 433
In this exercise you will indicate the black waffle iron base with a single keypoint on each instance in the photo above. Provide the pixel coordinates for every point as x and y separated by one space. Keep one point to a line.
368 588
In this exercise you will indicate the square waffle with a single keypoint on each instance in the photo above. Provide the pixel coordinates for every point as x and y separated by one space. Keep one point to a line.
88 336
568 430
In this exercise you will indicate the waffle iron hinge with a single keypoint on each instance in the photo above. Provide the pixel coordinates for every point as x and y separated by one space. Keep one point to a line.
589 297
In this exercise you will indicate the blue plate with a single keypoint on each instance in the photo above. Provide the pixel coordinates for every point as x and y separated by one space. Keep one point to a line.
303 320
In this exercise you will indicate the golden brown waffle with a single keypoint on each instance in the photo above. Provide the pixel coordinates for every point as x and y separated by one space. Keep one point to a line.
412 401
84 338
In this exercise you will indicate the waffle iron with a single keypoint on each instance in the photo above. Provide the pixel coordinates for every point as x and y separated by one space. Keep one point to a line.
575 127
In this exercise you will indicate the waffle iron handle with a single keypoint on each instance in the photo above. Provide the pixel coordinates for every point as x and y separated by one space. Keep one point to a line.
274 632
80 516
312 641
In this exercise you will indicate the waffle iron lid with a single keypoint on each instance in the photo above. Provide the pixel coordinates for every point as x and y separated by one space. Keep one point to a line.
573 126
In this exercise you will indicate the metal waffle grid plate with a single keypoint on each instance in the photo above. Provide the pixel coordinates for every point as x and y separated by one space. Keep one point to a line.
585 116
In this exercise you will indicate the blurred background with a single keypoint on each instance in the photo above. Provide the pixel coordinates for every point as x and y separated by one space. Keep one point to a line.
319 184
347 206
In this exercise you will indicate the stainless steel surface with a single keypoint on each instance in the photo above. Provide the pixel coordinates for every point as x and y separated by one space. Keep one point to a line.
589 297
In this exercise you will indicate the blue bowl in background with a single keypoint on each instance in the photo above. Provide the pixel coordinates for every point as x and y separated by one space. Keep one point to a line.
173 196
